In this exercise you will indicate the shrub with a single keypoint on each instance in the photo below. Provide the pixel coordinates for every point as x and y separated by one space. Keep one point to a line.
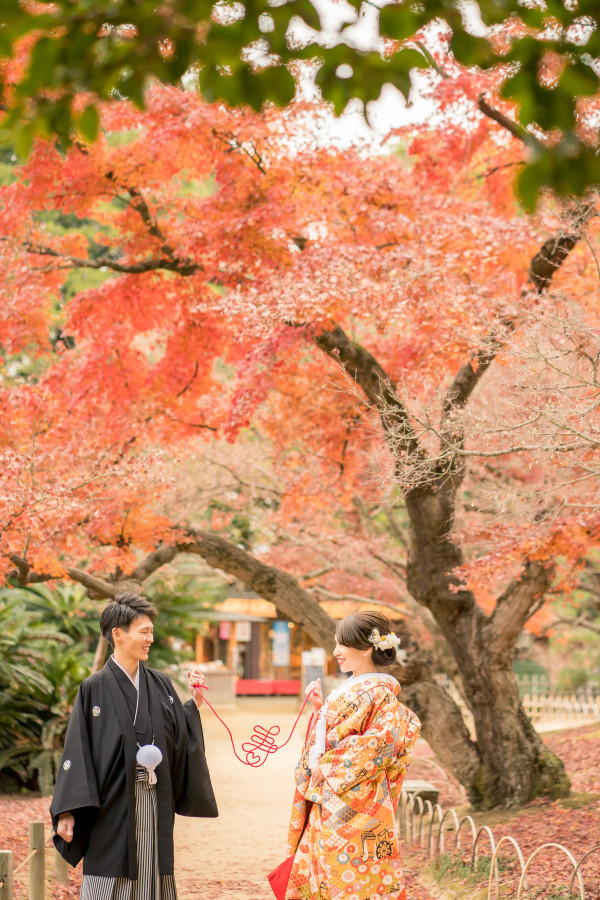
31 654
571 679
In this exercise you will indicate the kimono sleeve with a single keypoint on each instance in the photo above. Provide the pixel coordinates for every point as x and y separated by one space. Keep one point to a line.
76 789
372 747
411 728
192 789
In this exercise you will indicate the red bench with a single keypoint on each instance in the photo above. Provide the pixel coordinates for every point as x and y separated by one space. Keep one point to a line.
267 686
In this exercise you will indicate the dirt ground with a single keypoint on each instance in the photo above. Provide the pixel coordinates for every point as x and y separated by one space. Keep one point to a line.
229 857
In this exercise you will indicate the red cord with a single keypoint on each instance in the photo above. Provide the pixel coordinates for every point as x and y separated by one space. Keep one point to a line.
261 739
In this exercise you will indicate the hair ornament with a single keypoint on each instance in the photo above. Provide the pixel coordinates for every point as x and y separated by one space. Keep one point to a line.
387 642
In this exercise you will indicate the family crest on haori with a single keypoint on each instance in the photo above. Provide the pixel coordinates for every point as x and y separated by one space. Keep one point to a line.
133 757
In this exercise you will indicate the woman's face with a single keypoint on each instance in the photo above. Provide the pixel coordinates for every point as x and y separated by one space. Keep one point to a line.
351 660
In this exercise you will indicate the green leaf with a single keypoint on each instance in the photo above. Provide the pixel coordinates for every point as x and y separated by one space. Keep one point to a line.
493 12
526 50
579 80
88 123
398 22
6 42
470 50
306 11
559 10
24 140
44 61
531 17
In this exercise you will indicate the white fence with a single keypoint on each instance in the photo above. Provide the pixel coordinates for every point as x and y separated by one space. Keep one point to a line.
550 706
540 703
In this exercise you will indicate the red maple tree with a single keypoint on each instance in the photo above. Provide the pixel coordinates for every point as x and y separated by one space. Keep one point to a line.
404 363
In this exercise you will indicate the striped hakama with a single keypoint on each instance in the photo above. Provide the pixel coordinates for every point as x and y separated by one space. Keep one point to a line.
150 885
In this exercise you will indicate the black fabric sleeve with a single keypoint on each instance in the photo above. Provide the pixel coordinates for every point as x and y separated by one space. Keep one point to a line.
192 788
76 790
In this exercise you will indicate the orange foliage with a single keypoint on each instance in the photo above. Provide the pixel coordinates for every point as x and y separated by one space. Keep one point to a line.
231 239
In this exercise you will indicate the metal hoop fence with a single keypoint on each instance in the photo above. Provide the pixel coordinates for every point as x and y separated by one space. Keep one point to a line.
430 836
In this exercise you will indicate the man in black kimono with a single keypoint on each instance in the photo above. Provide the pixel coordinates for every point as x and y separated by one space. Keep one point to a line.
108 808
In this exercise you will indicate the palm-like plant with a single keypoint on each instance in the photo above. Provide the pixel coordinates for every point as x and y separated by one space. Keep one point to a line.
41 667
66 607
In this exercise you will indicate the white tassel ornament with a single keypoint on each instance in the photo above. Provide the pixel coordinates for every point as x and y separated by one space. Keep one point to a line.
149 756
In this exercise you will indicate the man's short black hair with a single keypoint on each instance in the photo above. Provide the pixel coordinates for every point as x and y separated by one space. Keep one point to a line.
121 612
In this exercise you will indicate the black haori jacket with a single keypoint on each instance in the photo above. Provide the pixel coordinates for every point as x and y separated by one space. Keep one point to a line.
96 778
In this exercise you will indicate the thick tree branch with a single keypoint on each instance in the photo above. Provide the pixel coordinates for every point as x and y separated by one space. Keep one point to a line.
523 596
452 746
379 389
267 581
98 588
23 570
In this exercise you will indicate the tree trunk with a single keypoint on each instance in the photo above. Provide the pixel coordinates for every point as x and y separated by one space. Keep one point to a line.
514 765
100 654
442 721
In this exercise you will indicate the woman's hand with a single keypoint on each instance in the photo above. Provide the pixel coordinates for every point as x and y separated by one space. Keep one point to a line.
196 677
315 698
317 778
66 824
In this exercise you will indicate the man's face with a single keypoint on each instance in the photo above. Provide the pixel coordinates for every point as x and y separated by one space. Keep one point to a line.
137 640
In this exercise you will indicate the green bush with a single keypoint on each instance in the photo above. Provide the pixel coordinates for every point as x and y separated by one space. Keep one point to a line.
571 679
41 667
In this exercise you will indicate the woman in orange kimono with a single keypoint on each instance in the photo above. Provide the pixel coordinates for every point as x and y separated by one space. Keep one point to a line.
358 748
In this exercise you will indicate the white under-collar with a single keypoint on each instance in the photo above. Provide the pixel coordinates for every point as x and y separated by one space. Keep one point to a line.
135 681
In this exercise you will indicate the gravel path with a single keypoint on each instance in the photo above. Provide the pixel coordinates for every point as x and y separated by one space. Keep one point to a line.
229 857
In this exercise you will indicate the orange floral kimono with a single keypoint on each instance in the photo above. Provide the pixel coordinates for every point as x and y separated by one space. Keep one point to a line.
343 832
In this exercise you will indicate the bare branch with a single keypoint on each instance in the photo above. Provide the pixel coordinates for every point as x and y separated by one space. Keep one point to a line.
509 125
396 567
107 262
248 148
580 621
332 595
544 264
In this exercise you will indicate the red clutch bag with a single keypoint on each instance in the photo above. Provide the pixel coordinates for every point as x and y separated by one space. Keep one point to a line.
279 878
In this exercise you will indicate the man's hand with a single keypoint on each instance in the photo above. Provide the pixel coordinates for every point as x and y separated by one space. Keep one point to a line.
196 677
317 778
66 824
315 698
